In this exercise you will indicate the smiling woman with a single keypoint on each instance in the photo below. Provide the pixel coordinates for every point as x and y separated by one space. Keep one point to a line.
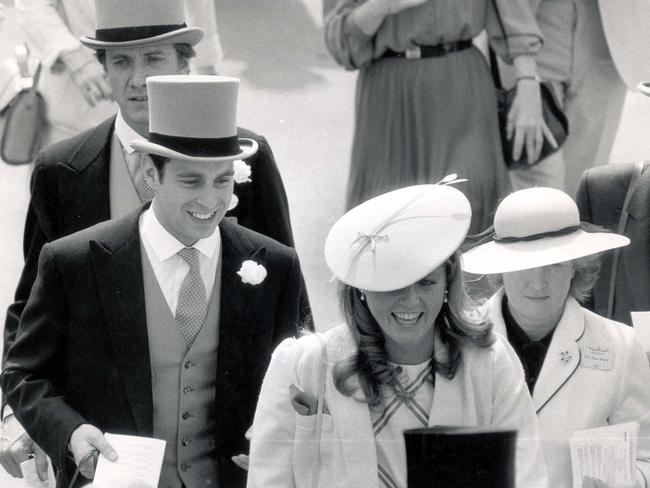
334 406
547 260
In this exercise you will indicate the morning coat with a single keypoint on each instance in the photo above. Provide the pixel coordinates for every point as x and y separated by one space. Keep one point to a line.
600 199
70 192
81 354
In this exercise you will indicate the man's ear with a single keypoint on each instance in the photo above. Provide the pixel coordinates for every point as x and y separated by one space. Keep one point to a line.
150 173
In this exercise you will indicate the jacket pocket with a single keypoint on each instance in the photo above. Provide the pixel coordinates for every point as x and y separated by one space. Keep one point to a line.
312 451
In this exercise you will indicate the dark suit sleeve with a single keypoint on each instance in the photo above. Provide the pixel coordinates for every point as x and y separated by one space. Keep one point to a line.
32 377
291 315
39 229
270 207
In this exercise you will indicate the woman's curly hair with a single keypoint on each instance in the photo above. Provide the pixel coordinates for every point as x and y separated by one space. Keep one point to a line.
460 321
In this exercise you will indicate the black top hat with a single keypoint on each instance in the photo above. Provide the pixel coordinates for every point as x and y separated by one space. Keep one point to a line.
460 457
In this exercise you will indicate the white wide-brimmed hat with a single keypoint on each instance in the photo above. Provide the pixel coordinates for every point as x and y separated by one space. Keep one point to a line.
533 228
395 239
127 23
194 118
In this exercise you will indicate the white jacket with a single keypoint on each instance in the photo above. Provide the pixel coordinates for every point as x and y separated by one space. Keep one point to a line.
603 379
488 389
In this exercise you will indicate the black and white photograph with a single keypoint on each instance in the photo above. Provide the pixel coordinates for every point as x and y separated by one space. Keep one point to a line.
325 243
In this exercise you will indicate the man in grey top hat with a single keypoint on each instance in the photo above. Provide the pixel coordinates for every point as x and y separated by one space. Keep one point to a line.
160 323
97 175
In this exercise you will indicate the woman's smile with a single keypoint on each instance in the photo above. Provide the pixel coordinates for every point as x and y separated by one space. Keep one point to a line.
407 318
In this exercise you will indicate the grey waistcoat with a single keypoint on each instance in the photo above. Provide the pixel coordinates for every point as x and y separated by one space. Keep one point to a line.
183 387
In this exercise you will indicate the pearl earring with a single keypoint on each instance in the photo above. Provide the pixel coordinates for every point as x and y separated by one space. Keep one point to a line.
362 296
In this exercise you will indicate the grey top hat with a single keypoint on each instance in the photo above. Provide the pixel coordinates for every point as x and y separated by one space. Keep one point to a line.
194 118
126 23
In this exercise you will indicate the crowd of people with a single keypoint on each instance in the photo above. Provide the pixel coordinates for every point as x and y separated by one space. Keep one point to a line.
162 296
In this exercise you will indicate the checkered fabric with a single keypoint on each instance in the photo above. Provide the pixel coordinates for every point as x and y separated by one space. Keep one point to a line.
145 192
406 408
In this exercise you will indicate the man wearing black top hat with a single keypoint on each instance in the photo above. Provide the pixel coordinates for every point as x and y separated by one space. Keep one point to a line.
97 175
160 323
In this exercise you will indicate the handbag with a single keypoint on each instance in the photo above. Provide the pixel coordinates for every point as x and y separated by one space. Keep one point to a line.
553 115
24 116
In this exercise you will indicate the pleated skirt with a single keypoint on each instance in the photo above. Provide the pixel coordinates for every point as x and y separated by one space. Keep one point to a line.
417 121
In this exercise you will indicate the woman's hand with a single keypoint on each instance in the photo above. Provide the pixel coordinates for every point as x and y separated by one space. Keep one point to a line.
526 122
88 75
593 483
16 446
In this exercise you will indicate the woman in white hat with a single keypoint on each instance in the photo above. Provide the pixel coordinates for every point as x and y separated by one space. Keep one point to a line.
583 370
413 352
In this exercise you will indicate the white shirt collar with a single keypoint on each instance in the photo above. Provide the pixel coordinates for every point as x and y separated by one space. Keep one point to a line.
165 245
125 133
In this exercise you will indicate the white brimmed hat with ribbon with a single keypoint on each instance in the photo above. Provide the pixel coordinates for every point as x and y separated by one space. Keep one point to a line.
194 118
126 23
536 227
395 239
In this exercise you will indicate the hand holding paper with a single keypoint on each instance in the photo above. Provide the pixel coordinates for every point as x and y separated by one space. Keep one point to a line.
17 446
138 465
604 457
84 440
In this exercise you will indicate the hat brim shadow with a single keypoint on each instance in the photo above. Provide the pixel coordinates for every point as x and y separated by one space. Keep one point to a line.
247 147
506 257
186 35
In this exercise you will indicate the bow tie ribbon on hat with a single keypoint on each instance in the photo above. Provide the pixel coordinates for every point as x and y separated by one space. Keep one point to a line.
371 239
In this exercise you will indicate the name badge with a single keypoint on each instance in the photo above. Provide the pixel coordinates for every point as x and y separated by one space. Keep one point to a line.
597 357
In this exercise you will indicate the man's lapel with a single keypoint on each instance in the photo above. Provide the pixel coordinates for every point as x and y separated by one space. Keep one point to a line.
638 207
239 301
118 271
635 262
84 180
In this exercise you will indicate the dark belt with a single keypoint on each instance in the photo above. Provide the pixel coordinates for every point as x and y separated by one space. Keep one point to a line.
418 52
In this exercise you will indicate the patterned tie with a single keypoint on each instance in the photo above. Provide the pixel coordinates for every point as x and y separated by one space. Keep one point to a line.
192 307
145 192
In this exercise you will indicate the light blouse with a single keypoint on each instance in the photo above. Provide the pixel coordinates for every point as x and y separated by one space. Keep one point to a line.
432 23
398 413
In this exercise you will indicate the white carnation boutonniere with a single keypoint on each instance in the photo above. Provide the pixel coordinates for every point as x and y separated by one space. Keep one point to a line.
242 172
251 272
